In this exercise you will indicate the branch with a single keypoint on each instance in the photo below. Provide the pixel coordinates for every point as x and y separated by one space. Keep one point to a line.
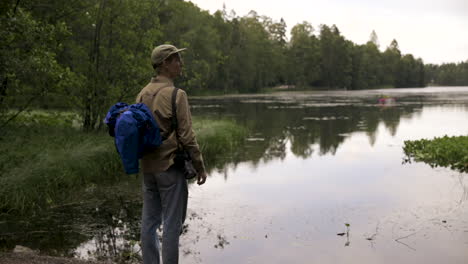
16 6
17 113
74 10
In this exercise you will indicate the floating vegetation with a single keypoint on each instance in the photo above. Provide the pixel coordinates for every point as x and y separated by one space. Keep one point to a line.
286 107
206 106
325 118
260 101
451 152
325 104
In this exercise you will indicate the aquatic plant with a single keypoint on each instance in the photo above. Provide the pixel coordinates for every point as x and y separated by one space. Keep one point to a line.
347 243
444 151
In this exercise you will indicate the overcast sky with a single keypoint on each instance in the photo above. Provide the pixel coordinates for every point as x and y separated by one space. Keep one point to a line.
434 30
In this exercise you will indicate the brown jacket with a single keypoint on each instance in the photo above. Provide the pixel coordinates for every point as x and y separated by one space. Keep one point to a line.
163 157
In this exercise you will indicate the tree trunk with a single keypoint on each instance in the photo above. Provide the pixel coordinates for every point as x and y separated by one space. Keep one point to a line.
3 90
16 6
91 103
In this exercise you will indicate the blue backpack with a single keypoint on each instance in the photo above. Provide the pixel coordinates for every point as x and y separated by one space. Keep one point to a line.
135 132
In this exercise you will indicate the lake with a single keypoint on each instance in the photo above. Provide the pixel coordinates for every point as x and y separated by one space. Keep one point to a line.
320 179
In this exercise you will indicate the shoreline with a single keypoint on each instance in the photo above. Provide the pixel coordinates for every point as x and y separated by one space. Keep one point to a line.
36 258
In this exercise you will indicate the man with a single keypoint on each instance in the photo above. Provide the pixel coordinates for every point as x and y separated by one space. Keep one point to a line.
165 190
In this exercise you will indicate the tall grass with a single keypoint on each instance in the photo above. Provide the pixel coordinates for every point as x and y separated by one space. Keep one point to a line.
45 164
218 137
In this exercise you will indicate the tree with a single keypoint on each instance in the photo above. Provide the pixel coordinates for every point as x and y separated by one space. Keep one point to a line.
374 39
447 74
256 51
410 72
84 55
109 49
336 64
29 69
304 55
391 59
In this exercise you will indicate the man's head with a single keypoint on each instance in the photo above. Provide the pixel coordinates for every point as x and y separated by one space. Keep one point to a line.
166 60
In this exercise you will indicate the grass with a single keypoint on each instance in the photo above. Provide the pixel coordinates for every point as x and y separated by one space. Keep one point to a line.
445 151
217 137
49 162
43 164
48 117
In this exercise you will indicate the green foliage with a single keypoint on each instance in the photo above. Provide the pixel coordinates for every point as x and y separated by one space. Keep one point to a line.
49 118
110 48
304 56
218 136
453 74
29 70
44 164
446 151
336 61
410 72
47 159
86 55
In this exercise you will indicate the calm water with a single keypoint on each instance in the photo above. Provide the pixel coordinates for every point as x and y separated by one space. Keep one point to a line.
313 162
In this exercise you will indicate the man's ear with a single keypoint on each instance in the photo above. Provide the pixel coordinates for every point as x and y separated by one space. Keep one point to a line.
164 65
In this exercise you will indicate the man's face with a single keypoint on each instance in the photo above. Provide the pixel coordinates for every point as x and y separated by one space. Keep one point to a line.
174 65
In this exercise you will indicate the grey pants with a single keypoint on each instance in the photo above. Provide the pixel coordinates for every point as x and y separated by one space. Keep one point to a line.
164 200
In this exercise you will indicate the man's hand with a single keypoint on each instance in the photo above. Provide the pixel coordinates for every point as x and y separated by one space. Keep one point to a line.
201 178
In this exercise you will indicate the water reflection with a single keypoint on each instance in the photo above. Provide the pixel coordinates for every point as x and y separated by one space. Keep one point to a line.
311 164
117 240
103 224
305 122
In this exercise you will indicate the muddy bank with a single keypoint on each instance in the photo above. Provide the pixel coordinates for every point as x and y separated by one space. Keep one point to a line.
33 258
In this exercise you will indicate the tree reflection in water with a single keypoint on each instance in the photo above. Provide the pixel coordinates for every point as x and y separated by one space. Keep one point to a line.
104 223
312 126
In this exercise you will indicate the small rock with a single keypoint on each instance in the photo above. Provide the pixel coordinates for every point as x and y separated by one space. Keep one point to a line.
340 234
21 249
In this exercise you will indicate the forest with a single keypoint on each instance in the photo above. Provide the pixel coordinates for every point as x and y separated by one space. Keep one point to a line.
85 55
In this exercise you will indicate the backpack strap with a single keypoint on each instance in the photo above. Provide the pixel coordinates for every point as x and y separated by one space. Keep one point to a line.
156 93
160 89
175 123
174 111
186 155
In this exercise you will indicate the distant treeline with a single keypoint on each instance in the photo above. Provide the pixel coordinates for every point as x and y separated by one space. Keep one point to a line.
452 74
87 54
